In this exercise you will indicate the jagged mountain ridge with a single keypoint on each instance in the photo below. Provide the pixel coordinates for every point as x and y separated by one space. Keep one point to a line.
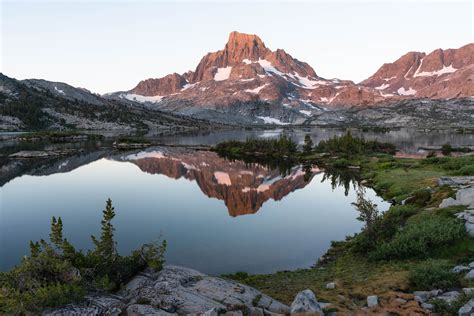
245 73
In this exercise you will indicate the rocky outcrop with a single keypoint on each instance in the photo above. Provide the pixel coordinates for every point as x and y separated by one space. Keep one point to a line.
306 303
176 290
467 309
464 196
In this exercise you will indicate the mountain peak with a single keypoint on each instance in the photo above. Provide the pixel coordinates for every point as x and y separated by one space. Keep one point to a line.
241 45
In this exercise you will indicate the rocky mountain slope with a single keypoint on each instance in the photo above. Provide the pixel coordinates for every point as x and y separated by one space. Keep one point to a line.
441 74
39 105
247 82
415 113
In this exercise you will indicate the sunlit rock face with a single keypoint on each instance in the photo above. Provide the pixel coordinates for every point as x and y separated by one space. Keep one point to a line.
441 74
244 188
248 80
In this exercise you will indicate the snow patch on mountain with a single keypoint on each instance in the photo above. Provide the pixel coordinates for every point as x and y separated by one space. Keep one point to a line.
141 98
268 67
188 85
256 90
271 120
59 90
410 91
222 73
306 82
388 79
445 70
382 87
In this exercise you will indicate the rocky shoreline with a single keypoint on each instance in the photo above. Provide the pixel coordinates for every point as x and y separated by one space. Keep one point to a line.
177 290
182 291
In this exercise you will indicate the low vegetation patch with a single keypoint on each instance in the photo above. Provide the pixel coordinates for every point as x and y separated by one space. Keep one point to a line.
271 148
55 273
419 238
349 145
432 274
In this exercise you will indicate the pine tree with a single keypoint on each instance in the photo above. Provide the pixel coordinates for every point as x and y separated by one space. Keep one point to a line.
368 213
56 235
105 247
35 248
308 144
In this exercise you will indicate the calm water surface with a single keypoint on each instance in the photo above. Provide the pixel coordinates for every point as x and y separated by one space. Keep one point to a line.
217 216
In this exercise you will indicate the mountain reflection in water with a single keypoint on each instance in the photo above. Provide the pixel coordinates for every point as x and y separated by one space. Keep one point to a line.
243 187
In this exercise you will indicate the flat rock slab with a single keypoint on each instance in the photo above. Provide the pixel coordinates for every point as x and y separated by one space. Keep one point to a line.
449 297
183 290
175 290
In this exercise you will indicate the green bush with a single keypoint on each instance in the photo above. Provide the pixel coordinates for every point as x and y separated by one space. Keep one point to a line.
457 165
384 229
420 198
432 275
35 300
446 149
467 170
418 238
55 273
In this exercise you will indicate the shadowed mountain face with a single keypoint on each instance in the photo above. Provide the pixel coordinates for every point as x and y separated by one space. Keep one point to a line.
243 188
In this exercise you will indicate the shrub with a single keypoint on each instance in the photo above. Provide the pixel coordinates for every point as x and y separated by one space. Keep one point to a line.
465 171
420 198
14 301
420 237
432 275
446 149
384 229
55 273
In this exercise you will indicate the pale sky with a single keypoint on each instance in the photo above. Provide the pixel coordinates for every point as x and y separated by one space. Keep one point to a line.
111 45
